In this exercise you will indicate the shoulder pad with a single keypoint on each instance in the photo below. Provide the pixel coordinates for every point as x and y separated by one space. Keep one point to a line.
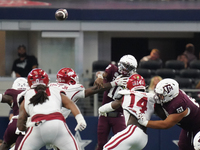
124 92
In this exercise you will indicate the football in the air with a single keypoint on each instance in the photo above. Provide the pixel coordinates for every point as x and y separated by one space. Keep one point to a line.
61 14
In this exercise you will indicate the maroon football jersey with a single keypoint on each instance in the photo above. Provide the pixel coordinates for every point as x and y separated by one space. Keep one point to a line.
180 104
14 93
112 73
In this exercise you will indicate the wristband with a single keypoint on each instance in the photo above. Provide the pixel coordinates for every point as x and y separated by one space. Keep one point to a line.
1 96
100 76
106 108
113 83
79 117
145 123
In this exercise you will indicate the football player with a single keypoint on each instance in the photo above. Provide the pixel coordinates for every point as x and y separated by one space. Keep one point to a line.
115 120
180 109
11 98
134 101
68 81
47 126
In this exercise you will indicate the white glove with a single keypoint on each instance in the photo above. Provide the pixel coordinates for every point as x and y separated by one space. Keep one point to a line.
142 120
119 81
81 124
105 108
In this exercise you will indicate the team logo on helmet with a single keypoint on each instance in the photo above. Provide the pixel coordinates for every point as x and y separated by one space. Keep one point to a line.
167 89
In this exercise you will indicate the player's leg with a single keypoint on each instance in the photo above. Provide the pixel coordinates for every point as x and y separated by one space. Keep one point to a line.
130 138
103 130
18 141
9 136
64 139
32 139
118 124
185 140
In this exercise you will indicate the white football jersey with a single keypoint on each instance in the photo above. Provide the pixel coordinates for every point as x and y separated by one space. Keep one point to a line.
54 100
73 92
138 103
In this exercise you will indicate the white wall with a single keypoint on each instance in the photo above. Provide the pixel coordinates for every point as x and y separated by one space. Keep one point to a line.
90 53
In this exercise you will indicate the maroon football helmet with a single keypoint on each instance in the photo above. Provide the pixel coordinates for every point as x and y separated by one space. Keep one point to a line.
136 82
37 76
68 76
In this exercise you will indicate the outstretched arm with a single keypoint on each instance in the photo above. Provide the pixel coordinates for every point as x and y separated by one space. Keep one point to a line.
95 89
6 99
67 103
169 122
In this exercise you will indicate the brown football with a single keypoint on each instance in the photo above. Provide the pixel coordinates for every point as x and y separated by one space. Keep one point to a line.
61 14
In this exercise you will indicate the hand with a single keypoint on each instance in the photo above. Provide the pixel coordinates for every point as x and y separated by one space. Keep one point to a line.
99 83
81 124
102 112
119 81
142 120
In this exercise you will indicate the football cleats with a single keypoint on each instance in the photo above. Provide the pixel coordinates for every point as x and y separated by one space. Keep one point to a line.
68 76
127 65
136 82
20 84
196 141
166 90
38 76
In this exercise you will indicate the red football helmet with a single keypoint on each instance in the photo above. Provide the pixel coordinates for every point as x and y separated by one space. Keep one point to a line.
68 76
136 82
37 76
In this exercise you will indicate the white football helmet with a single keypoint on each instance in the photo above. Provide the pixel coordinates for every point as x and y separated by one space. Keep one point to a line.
196 141
127 65
168 88
20 84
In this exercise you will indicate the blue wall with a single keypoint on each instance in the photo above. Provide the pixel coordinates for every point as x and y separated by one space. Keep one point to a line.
100 15
158 139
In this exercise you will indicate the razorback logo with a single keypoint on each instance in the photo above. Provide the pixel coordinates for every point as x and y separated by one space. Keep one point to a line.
167 88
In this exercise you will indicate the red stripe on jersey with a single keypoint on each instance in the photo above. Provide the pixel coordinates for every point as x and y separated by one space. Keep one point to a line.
71 136
52 116
25 137
74 94
123 136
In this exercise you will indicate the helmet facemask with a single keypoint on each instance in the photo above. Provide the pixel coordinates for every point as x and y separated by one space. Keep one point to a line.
126 69
127 65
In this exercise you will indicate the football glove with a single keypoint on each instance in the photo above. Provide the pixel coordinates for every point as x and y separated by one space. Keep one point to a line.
119 81
81 124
